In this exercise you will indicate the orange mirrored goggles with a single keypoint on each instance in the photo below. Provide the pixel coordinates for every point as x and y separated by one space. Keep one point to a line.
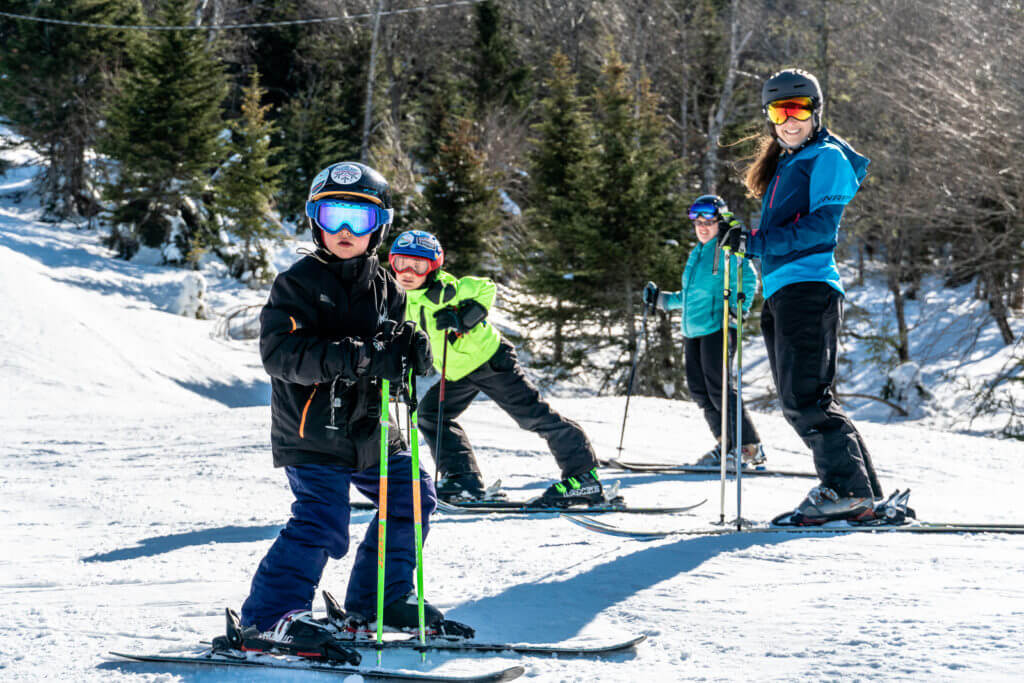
800 108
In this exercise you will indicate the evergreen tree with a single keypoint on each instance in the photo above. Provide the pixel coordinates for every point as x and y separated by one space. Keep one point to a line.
636 207
162 129
561 158
54 84
322 122
498 76
245 187
461 204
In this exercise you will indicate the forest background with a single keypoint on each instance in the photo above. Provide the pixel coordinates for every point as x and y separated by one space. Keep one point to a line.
553 145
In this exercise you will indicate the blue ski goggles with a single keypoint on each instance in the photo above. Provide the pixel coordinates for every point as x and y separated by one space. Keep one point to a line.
708 212
334 215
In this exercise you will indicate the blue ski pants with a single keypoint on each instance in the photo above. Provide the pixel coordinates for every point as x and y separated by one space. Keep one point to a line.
288 576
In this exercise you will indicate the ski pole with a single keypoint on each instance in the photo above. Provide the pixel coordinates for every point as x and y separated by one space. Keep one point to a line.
724 440
382 513
440 411
632 375
417 511
740 255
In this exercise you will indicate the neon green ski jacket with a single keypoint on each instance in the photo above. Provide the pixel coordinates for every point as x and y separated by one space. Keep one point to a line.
467 351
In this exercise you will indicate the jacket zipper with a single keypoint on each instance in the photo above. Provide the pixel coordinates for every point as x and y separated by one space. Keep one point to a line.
774 187
305 409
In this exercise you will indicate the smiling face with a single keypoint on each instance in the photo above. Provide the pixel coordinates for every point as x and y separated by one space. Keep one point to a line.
344 244
706 229
793 133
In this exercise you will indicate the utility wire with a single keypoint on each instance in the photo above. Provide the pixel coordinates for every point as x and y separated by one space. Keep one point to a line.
224 27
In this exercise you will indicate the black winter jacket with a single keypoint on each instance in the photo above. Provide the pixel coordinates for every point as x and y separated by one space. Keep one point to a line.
319 314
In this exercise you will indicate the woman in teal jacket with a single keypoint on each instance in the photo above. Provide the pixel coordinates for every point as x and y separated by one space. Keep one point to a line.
700 300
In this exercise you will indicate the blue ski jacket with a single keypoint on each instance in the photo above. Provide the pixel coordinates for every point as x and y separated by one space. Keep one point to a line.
701 295
800 213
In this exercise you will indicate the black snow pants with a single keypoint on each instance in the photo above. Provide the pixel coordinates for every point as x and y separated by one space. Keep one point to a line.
800 323
704 379
503 381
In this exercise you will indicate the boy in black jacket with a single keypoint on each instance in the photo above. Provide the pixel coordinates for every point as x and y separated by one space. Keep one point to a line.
330 331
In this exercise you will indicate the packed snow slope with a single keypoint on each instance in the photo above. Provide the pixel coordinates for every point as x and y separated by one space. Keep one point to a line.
138 497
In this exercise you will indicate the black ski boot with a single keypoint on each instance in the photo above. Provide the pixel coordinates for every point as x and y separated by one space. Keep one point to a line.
823 504
582 489
296 633
466 487
400 615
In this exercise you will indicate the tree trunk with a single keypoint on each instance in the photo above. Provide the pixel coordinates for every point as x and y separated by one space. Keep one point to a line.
559 334
718 116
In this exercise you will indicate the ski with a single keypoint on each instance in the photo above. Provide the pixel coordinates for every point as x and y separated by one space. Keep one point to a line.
365 637
442 644
674 468
837 527
509 507
294 663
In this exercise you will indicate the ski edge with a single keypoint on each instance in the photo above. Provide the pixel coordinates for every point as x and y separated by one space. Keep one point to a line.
523 509
507 674
919 528
676 468
519 648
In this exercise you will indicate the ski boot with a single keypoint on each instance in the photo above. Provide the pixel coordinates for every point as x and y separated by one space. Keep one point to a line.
753 456
582 489
823 504
296 633
465 487
712 458
400 615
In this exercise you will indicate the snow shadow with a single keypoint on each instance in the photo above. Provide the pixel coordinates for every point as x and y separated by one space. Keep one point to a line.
231 395
158 545
559 610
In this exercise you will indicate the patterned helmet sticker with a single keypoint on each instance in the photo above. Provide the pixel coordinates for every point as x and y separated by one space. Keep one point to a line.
319 181
346 174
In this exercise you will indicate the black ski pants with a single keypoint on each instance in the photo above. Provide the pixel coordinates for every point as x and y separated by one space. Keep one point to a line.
503 381
703 357
800 323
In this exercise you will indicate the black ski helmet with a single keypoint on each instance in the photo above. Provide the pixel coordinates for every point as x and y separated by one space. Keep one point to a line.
793 83
357 181
710 200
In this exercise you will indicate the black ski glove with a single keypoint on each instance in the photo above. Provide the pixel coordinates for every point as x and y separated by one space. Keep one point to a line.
732 233
468 315
417 345
651 295
447 318
384 356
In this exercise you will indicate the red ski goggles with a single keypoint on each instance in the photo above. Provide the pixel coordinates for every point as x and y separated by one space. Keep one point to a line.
800 108
334 215
400 263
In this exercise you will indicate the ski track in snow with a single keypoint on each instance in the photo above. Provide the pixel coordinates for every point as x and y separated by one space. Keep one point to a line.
138 497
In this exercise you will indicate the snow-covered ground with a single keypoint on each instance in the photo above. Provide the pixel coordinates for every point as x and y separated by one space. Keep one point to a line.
138 495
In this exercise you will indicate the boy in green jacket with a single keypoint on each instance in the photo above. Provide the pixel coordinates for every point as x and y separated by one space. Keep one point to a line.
475 358
701 302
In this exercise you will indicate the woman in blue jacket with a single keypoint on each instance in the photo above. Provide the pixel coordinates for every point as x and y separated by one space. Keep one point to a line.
701 302
805 176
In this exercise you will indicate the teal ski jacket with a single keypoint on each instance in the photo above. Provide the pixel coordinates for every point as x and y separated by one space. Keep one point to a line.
701 296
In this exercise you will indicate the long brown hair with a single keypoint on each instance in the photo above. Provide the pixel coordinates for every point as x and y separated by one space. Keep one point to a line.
759 174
